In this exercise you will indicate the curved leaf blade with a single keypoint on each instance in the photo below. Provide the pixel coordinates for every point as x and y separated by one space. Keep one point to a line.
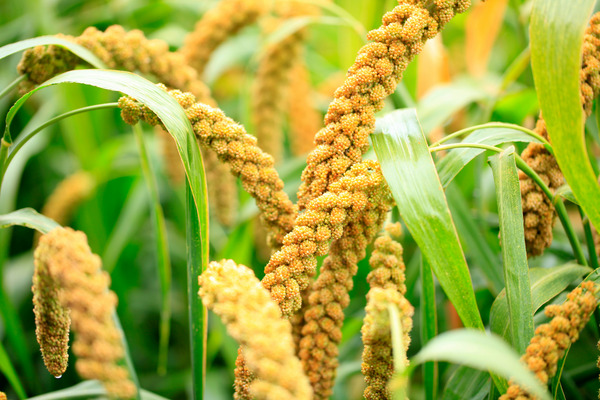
556 32
408 168
482 351
449 166
29 218
74 48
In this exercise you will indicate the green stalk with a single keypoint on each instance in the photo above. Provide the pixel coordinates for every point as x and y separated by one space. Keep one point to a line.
162 250
561 211
11 86
461 145
495 125
589 238
197 261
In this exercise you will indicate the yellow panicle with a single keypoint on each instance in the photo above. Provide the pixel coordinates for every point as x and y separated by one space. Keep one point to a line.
84 291
386 280
236 148
289 270
551 340
374 76
254 320
329 294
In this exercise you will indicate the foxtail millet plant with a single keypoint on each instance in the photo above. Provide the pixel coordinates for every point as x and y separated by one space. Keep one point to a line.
538 210
374 76
82 288
552 339
329 294
386 280
236 148
254 320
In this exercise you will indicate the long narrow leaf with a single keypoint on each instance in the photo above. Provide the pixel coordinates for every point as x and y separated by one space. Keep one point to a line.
474 239
29 218
9 371
546 283
197 260
516 269
467 383
408 168
482 351
74 48
556 33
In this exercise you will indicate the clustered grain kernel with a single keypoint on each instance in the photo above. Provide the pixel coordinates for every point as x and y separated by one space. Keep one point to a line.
236 148
538 210
217 25
386 280
329 295
243 379
254 320
52 321
66 254
552 339
289 269
374 76
117 48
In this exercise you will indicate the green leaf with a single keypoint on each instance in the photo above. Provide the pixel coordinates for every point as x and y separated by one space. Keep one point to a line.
428 327
87 390
28 218
467 383
74 48
456 159
556 32
410 172
514 255
482 351
474 239
197 260
546 283
9 372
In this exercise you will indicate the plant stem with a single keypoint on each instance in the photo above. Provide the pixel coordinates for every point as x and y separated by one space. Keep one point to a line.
11 86
495 125
561 211
462 145
589 238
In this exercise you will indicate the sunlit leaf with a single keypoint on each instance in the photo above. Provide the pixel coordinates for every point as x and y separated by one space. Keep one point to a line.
408 168
482 351
556 32
514 255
